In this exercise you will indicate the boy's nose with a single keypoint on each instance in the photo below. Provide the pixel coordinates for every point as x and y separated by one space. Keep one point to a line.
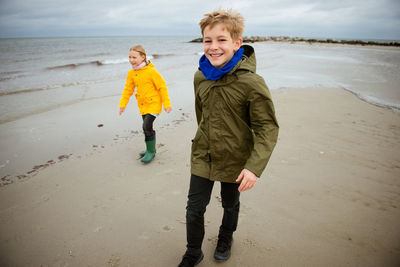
213 46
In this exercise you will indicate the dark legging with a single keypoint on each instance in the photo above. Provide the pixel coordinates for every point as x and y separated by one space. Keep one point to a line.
149 133
198 199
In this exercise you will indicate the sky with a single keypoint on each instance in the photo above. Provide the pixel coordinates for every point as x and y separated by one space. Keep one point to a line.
352 19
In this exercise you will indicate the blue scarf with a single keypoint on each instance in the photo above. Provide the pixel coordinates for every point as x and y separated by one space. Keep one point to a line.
213 73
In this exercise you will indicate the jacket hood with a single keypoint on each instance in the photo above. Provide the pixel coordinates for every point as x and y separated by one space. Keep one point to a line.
248 59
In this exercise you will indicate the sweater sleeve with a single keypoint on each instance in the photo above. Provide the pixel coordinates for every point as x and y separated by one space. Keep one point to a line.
128 91
264 125
161 86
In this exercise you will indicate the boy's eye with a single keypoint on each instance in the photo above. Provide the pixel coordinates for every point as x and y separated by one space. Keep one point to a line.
222 40
207 41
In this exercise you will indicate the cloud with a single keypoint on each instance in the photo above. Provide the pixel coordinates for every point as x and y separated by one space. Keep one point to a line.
350 18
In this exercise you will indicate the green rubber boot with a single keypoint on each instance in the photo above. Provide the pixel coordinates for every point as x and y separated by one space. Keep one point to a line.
150 151
141 154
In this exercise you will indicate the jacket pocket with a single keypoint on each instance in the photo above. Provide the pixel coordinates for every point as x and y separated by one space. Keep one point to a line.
153 99
200 147
238 144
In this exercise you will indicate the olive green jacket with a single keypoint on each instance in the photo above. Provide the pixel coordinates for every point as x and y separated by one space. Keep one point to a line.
237 127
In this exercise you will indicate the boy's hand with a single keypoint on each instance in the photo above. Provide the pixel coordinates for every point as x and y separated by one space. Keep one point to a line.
248 179
168 110
121 110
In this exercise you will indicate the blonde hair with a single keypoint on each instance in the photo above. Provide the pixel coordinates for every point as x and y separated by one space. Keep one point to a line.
139 49
232 20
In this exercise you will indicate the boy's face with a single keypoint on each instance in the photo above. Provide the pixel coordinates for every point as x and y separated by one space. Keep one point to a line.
219 46
135 58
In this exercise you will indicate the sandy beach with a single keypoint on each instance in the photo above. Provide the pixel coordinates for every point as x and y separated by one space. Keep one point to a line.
330 195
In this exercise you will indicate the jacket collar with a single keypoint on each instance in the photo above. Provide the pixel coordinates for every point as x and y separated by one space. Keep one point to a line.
148 65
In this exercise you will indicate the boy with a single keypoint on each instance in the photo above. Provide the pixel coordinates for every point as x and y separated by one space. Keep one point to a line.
237 130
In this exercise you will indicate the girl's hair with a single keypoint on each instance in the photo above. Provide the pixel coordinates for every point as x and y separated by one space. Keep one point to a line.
139 49
232 20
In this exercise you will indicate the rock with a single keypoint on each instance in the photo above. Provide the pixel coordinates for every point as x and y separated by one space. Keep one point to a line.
253 39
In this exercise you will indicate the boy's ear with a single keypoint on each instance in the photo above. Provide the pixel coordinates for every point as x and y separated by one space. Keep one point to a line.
238 43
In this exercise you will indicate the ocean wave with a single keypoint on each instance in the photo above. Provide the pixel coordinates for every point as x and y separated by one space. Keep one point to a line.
10 75
104 62
21 91
155 56
90 63
32 90
126 60
374 100
53 87
2 79
115 61
76 65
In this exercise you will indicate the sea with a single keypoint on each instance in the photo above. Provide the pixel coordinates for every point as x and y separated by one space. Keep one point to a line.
46 73
55 93
40 74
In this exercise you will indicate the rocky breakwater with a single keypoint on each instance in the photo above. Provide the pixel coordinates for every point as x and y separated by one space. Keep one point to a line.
253 39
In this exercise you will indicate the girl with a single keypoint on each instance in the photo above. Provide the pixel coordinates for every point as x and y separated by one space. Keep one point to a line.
151 95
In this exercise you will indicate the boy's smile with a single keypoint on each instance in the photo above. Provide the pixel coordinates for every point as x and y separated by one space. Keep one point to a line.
219 47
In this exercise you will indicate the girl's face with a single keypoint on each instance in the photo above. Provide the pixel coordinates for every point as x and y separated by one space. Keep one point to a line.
135 58
219 46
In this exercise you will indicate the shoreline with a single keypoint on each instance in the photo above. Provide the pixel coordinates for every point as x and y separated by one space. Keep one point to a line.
392 108
96 147
368 71
330 200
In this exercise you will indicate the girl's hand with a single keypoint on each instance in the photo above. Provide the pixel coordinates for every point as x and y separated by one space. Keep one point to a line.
248 179
168 110
121 110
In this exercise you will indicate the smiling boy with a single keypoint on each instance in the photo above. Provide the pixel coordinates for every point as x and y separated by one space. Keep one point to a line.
237 130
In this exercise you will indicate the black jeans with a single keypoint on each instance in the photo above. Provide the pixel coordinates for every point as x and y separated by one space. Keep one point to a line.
149 133
198 199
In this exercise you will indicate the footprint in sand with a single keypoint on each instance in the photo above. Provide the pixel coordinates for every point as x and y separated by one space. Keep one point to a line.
213 240
168 228
249 242
144 236
114 261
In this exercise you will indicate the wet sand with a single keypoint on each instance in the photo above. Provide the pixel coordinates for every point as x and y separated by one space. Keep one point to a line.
330 195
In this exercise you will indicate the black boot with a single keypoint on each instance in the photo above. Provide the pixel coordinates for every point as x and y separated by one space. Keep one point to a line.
223 250
190 260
